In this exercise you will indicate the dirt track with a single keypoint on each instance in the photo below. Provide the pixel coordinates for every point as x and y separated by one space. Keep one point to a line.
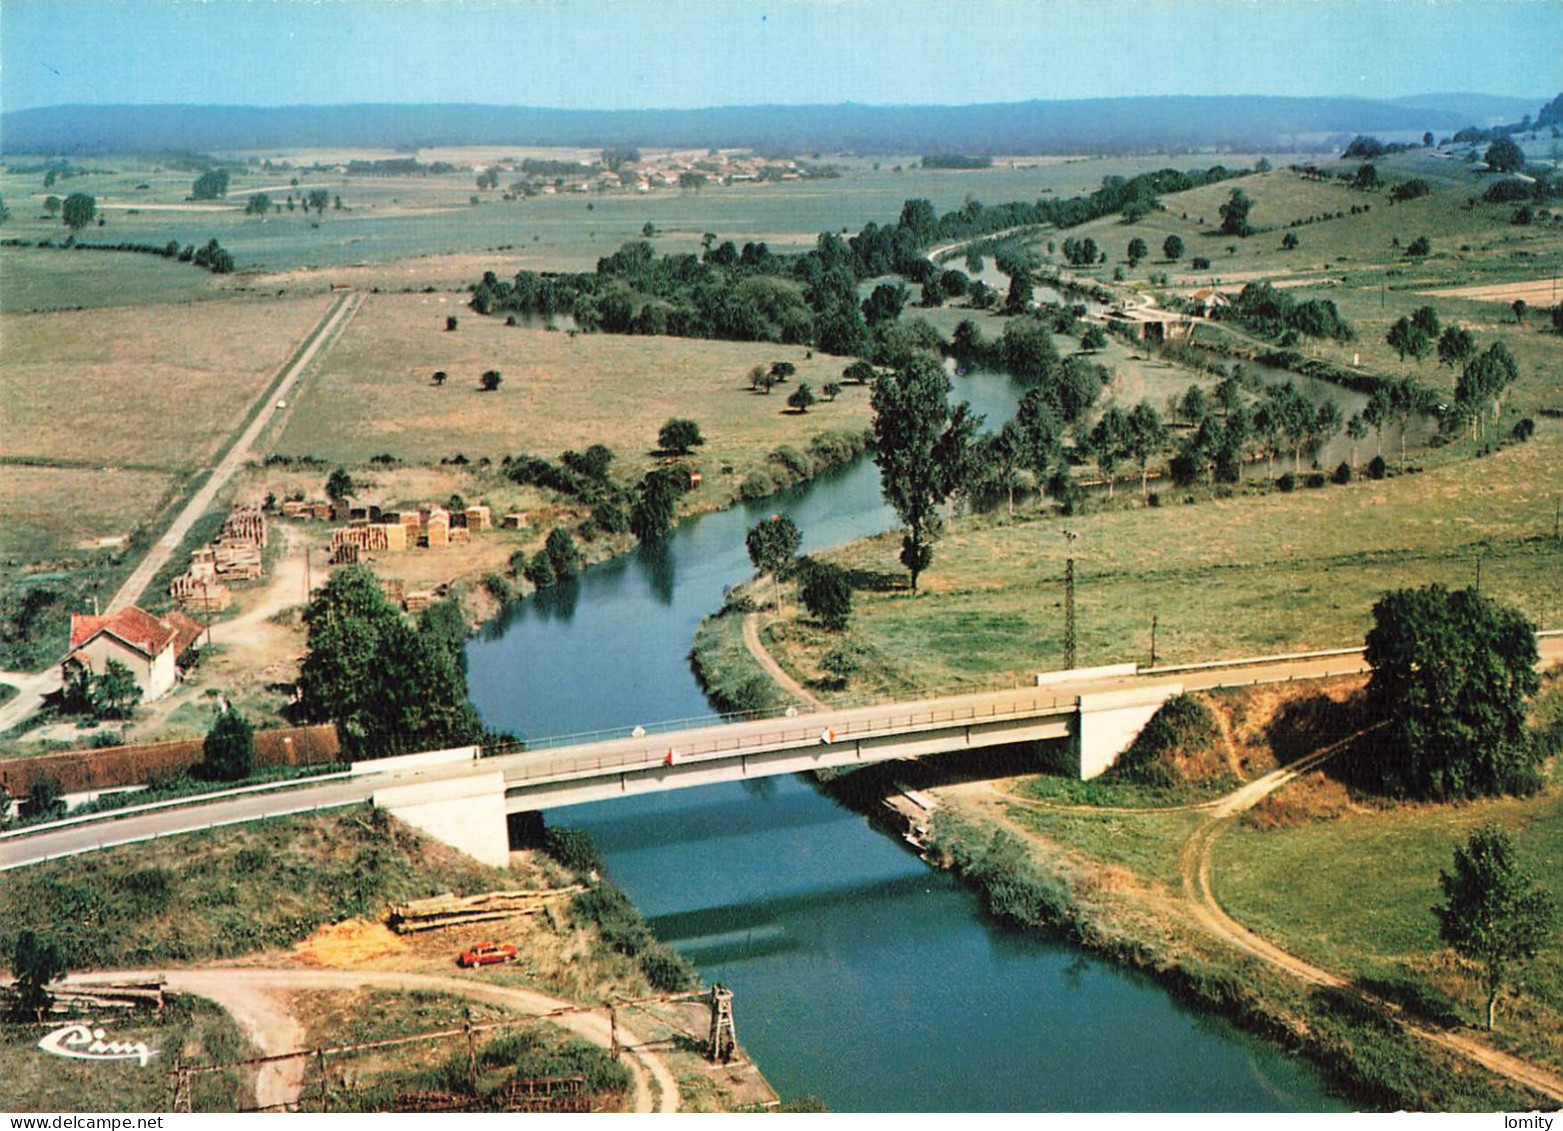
1535 292
246 993
763 657
1195 866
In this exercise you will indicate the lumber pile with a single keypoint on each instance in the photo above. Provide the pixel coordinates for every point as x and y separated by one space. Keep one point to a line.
197 595
449 910
126 995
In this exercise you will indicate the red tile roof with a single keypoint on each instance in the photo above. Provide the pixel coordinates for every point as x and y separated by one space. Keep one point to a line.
134 627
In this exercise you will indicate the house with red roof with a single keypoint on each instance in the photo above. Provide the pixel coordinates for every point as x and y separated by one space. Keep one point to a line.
148 645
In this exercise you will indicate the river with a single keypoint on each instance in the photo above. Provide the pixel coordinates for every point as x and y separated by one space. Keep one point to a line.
860 975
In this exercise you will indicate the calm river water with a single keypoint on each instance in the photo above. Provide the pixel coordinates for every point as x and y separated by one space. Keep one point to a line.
860 975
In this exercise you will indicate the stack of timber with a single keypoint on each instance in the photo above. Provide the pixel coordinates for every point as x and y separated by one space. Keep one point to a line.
124 995
198 596
454 911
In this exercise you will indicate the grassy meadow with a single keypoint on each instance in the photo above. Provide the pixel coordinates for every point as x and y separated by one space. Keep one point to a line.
1251 574
389 219
1359 261
1287 884
373 393
129 387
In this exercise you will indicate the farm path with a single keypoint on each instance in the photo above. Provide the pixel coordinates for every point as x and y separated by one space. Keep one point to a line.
246 993
33 688
238 454
773 669
1195 865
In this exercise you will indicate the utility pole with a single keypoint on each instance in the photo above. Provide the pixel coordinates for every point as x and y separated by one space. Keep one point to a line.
1069 601
1153 640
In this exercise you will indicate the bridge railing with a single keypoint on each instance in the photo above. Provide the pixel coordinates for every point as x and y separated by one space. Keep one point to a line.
726 718
822 730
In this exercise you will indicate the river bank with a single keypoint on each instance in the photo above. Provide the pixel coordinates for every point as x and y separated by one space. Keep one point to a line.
1372 1058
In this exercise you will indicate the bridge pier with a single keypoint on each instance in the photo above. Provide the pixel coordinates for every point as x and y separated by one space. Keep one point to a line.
1110 721
467 813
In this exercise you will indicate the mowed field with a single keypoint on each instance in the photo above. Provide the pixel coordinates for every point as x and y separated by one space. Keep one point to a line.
46 510
1243 576
151 387
373 394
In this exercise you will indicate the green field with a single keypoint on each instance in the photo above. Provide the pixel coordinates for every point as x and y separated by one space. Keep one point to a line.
387 219
1355 895
1248 575
1359 261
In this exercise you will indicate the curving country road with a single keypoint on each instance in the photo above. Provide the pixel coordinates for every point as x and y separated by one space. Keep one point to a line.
247 993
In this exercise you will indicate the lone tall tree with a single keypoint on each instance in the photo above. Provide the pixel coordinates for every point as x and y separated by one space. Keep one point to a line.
1495 915
773 547
911 415
1452 672
1234 213
679 436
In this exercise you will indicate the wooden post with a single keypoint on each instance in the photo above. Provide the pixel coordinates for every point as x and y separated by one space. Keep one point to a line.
472 1049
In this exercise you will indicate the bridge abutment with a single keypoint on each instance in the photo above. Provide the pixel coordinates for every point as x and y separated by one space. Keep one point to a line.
1110 721
467 813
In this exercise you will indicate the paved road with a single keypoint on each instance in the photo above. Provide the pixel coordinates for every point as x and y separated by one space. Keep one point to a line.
32 689
610 756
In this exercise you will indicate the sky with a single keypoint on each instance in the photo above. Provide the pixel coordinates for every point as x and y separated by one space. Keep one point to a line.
639 54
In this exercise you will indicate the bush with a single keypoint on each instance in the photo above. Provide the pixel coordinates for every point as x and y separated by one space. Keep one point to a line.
1179 743
228 754
1315 480
827 594
668 971
1287 482
539 570
1343 473
756 485
499 588
795 462
563 556
1523 430
575 849
1377 468
615 918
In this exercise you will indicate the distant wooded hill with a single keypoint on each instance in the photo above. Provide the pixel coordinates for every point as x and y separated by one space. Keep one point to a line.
1088 126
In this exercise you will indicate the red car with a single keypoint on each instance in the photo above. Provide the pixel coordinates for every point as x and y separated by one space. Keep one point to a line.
487 954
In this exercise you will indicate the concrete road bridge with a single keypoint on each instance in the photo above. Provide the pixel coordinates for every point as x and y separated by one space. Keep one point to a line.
464 798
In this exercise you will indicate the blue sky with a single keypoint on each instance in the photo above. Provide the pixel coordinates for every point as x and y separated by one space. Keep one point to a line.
601 54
